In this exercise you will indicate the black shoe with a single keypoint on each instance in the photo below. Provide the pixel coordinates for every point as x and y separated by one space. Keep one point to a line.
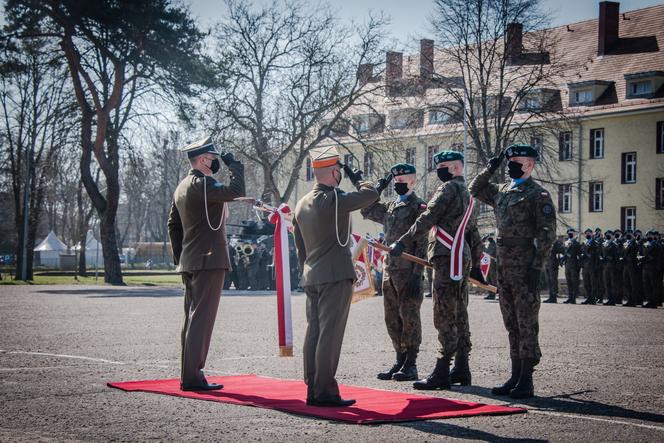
568 301
387 375
506 387
460 373
330 403
524 387
550 300
408 371
490 297
609 303
438 379
629 304
205 387
588 301
650 305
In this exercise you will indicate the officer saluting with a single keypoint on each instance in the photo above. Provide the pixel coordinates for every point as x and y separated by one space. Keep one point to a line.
198 236
401 285
322 238
526 220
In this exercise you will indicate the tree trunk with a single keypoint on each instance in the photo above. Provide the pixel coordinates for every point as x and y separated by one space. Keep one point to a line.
109 247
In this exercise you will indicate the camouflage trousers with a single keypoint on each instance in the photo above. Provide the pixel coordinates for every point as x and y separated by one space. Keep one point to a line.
519 306
572 279
402 311
552 278
632 284
450 302
609 271
650 289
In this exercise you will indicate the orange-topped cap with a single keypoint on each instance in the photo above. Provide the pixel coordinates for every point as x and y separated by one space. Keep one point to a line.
324 157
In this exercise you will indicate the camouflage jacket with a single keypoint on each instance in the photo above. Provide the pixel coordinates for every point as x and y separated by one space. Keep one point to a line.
590 253
651 253
396 217
525 211
572 252
609 252
630 252
445 209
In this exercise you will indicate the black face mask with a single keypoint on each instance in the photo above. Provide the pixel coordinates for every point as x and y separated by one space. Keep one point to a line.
649 239
570 235
629 236
514 169
588 236
401 188
444 174
215 165
608 237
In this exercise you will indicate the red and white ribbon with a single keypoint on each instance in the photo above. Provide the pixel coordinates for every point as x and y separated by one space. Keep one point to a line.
280 218
455 244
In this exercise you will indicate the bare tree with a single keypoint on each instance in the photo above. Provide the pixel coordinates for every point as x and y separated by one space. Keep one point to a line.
286 66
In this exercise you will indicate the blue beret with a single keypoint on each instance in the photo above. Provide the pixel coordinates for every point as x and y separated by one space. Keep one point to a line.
402 169
447 156
521 150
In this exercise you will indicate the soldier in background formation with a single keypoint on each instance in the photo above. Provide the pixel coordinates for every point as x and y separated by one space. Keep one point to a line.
590 254
491 278
552 265
572 261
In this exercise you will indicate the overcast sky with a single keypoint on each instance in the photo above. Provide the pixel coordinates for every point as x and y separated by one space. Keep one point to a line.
409 17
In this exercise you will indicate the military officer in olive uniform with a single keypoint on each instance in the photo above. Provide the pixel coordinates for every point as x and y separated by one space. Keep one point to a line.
198 235
631 272
322 238
526 220
571 260
402 279
651 253
450 213
552 265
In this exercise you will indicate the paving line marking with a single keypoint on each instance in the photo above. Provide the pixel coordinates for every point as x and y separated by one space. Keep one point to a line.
605 420
77 357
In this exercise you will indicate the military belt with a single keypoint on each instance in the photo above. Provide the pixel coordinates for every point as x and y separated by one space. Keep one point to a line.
514 241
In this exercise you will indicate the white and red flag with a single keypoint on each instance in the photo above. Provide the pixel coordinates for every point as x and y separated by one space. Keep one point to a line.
280 217
485 265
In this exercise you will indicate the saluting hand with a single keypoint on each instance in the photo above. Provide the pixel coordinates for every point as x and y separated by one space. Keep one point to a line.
494 162
382 183
228 158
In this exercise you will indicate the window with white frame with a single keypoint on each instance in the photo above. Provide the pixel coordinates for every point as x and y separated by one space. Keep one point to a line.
537 143
597 143
640 87
565 144
309 170
431 150
348 161
596 196
583 96
628 167
410 156
659 193
659 144
628 217
368 164
565 198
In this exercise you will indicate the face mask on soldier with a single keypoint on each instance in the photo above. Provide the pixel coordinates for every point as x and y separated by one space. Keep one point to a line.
444 174
629 236
514 169
570 235
215 165
608 237
589 236
401 188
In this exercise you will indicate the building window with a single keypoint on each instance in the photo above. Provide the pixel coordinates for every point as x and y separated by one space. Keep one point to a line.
565 146
431 151
348 160
628 218
410 156
368 164
583 96
628 167
640 88
659 193
596 194
537 143
310 170
565 198
660 138
597 143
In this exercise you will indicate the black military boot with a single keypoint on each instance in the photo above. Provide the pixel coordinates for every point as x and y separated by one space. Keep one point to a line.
387 375
408 371
491 296
506 387
439 378
551 299
460 373
524 387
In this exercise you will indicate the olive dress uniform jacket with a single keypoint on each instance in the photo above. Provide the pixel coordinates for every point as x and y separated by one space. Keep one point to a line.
195 246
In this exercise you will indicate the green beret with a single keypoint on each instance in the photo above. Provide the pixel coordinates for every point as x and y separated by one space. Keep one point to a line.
521 150
447 156
402 169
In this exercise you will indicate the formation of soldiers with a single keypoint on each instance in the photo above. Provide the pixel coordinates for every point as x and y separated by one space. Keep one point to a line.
616 268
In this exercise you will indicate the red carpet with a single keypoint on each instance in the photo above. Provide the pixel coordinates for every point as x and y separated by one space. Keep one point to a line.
373 405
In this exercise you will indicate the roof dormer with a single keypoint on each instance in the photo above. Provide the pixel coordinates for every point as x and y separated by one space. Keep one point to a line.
587 92
643 84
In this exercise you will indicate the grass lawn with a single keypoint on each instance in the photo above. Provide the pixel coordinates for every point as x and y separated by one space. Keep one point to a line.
129 279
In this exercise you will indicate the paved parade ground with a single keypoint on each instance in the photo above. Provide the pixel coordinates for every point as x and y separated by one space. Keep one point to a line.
601 376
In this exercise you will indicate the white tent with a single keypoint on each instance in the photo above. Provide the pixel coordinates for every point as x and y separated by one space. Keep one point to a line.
49 251
93 253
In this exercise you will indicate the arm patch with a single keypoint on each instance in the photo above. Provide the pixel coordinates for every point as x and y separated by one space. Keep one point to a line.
547 209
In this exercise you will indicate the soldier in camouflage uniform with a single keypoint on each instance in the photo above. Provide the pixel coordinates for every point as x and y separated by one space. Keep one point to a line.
651 253
591 250
526 221
571 260
659 278
552 265
630 254
448 210
617 280
402 279
491 277
609 259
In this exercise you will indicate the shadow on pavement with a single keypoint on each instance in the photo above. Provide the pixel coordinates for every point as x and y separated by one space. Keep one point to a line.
116 292
567 403
461 432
